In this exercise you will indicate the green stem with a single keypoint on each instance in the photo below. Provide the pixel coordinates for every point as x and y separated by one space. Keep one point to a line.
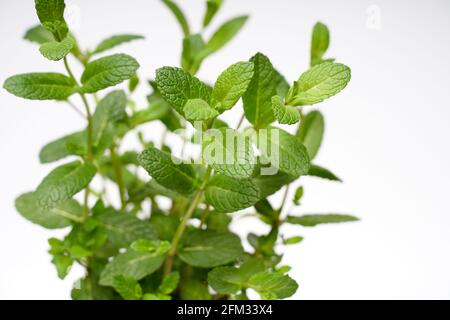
182 226
117 167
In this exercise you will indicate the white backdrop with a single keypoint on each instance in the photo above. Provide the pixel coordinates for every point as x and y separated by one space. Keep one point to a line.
386 136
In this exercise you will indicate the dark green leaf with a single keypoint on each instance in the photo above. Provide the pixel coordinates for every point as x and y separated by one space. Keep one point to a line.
317 171
51 15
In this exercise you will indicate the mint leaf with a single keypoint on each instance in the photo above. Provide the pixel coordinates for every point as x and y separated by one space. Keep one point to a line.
192 289
72 144
258 98
63 183
127 287
319 43
212 6
156 296
123 229
58 217
269 184
224 34
169 283
40 86
319 83
177 86
231 85
311 131
198 109
287 153
51 15
179 15
39 35
132 264
115 41
62 264
55 50
298 195
293 240
284 114
107 72
312 220
229 152
227 194
191 57
321 172
272 285
208 249
159 164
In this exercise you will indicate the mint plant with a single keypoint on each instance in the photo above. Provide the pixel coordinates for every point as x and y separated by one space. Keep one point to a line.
142 249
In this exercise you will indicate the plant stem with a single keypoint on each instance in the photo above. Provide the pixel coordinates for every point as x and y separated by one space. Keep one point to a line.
241 120
118 173
283 202
182 226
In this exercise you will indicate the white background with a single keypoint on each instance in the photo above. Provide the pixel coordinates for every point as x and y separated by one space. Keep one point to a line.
386 136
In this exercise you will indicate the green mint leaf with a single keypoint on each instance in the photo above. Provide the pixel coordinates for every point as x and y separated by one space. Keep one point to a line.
62 264
123 229
319 83
191 57
157 110
177 86
231 85
229 152
179 15
169 283
227 194
72 144
218 221
40 86
160 165
319 43
272 285
287 153
258 98
55 50
156 296
293 240
133 83
282 85
39 35
283 113
198 109
206 249
115 41
127 287
224 34
311 132
311 220
321 172
151 246
298 195
192 289
107 72
51 16
58 217
63 183
269 184
132 264
212 7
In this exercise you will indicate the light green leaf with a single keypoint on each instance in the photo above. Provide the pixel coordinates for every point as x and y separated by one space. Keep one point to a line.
62 264
198 109
177 86
40 86
123 229
115 41
298 195
286 152
176 176
227 194
319 83
127 287
72 144
63 183
132 264
212 6
319 43
311 131
231 85
55 50
169 283
58 217
153 246
51 15
179 15
133 83
258 98
293 240
39 35
229 152
191 57
208 249
283 113
224 34
272 285
321 172
108 71
156 296
311 220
